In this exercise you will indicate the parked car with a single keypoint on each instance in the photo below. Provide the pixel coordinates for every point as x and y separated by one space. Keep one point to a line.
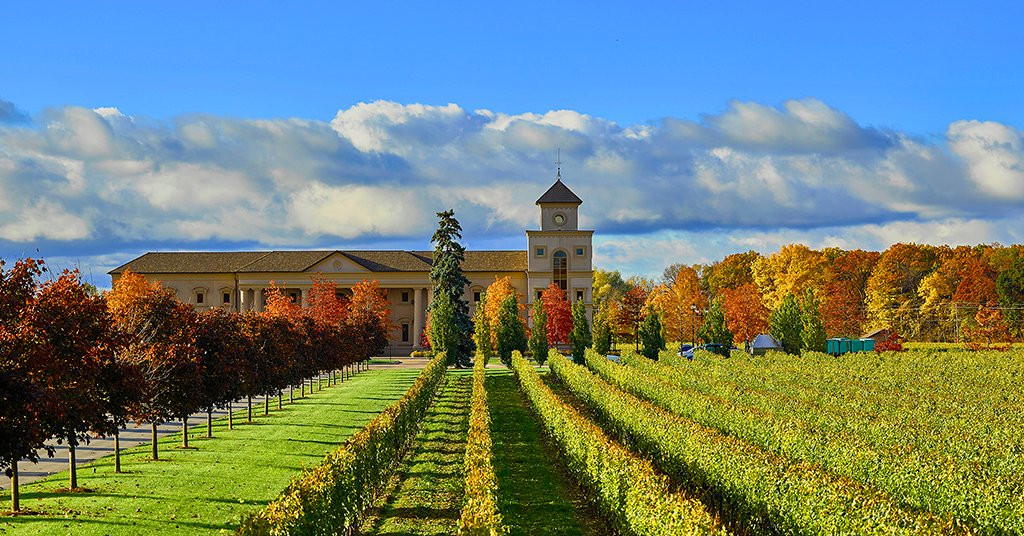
614 358
686 351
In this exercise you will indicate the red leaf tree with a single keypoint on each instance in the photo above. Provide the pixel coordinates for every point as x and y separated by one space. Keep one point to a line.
745 313
556 308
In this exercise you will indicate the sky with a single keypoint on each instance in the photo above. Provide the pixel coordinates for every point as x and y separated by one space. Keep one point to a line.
690 130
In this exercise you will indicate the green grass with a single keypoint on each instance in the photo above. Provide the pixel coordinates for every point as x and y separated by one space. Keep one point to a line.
428 496
534 495
207 489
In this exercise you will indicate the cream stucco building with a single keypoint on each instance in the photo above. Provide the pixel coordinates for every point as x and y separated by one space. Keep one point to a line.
558 252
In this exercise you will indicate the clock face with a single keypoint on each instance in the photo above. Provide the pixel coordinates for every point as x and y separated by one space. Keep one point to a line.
559 219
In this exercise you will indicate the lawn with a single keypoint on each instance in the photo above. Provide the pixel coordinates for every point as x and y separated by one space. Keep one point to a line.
429 493
209 488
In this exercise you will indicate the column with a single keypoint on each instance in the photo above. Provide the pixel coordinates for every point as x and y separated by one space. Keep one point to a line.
243 300
303 297
417 315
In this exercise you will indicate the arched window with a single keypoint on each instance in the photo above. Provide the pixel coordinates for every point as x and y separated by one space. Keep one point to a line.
560 269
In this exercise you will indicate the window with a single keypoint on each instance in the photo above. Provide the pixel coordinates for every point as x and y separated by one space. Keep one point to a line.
200 297
580 252
539 293
579 295
405 297
560 269
405 332
227 297
540 252
294 296
476 296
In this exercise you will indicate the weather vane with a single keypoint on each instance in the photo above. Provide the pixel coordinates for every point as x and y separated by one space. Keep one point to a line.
558 163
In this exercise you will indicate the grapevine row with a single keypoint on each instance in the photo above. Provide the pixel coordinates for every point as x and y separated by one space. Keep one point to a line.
480 514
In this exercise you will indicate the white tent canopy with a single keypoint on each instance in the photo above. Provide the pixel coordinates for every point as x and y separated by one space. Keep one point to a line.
764 342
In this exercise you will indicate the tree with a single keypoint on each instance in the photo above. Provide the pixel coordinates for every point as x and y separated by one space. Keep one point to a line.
745 313
447 277
608 287
482 335
786 325
715 330
732 272
539 333
444 335
792 270
160 335
511 332
557 313
1010 289
580 337
602 335
629 313
75 333
988 331
892 289
844 291
222 351
23 419
650 335
369 315
812 328
497 291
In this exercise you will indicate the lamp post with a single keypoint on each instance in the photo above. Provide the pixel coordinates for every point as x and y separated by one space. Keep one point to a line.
693 325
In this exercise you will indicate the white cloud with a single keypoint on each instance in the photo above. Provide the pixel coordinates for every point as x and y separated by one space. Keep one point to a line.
994 155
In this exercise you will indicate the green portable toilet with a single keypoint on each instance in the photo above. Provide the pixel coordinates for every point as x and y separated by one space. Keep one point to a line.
857 345
832 346
869 344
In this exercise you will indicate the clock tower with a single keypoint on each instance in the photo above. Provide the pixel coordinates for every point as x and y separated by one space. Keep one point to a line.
560 252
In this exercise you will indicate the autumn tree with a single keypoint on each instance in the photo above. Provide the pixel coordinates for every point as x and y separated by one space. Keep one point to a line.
844 292
557 314
369 315
447 277
791 270
497 291
160 335
608 287
786 325
222 351
511 332
892 289
580 337
628 313
731 272
987 331
1010 290
24 427
745 313
539 333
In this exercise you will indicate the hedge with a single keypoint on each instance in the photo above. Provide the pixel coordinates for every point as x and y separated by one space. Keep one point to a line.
331 497
480 514
627 489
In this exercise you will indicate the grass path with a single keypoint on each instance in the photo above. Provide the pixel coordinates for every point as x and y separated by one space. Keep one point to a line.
535 496
428 496
209 488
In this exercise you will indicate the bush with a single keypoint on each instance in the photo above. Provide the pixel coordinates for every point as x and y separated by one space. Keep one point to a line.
331 497
480 511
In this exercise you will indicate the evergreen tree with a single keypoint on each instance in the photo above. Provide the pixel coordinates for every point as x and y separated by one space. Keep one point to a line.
447 277
482 330
786 326
651 336
444 336
579 337
714 329
602 335
511 332
539 333
813 327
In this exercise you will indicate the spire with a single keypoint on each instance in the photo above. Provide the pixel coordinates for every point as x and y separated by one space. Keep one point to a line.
558 164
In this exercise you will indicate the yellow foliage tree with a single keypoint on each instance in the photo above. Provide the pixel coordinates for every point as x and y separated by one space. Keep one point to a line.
793 269
500 289
677 304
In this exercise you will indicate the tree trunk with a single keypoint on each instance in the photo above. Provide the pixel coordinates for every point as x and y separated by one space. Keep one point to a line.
231 417
266 404
15 492
302 388
156 456
117 451
250 408
209 422
291 394
280 396
184 432
74 470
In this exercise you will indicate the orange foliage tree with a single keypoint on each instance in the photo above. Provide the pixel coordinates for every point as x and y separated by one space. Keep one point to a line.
629 312
843 293
989 331
500 289
559 316
370 315
745 313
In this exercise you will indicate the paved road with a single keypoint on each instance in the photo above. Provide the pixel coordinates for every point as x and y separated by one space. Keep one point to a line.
132 436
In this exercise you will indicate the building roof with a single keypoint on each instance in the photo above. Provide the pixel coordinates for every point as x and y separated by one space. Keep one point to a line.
559 193
188 262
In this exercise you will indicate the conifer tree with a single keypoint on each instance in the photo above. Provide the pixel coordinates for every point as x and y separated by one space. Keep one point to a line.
651 337
602 335
539 333
482 330
511 333
786 325
443 334
580 336
813 328
447 277
714 330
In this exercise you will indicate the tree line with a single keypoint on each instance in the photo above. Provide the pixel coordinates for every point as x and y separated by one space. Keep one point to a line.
973 294
75 363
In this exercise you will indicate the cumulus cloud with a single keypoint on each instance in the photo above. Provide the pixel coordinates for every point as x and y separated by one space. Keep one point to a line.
377 171
10 114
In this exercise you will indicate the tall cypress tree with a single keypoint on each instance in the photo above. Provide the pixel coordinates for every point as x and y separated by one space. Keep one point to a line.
786 325
813 333
447 277
579 337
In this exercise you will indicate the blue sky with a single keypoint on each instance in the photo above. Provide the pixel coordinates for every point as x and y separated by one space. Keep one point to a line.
113 114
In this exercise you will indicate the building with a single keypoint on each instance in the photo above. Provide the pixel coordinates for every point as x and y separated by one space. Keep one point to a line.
558 252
